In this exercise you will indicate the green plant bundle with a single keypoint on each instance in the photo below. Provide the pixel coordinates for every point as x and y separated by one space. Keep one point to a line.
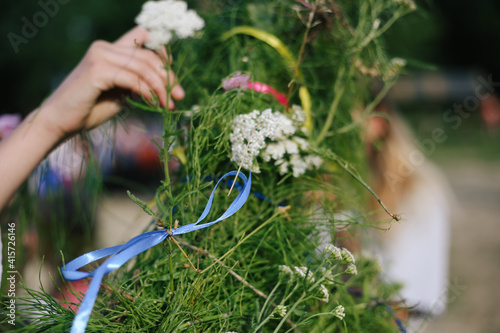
278 264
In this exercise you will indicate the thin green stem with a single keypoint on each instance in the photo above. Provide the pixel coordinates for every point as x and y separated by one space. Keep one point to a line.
171 268
389 23
350 170
290 294
263 323
167 123
243 240
268 299
314 315
185 255
339 91
369 108
301 53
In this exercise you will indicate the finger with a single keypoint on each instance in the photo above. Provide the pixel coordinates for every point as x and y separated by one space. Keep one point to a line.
108 105
136 36
164 56
171 104
177 92
143 62
136 60
126 56
132 81
143 82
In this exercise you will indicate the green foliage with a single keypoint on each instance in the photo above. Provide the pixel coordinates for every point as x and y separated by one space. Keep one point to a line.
141 204
240 284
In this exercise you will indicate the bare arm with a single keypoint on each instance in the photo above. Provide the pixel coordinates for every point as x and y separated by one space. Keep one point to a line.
84 100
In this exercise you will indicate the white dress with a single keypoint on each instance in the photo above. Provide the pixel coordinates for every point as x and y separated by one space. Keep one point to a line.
415 251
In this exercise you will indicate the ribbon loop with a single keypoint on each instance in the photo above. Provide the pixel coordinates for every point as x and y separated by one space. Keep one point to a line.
120 254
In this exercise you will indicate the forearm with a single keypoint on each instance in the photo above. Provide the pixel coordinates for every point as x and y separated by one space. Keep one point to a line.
83 101
21 152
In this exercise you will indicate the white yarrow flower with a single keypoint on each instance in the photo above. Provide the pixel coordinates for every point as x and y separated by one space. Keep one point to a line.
339 312
299 166
399 62
167 17
351 269
274 151
283 166
410 4
347 256
334 251
280 310
285 269
394 67
270 135
298 115
325 292
313 161
252 130
290 146
302 272
303 143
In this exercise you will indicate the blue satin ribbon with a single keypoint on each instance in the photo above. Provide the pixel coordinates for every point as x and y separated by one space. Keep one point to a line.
122 253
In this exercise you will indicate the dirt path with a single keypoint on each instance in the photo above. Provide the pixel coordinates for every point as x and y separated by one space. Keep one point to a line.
474 289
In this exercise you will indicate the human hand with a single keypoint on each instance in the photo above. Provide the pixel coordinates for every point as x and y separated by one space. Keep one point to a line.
90 95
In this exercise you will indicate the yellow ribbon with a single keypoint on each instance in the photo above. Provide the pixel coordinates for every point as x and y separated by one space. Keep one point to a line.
277 44
180 153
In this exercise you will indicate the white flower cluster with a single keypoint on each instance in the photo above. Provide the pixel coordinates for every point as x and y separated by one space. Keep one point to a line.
351 269
394 68
298 117
339 312
399 62
195 109
343 255
347 256
335 252
251 131
280 310
164 18
302 272
325 292
285 269
410 4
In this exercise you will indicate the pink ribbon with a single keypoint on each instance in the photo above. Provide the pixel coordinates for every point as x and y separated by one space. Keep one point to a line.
265 89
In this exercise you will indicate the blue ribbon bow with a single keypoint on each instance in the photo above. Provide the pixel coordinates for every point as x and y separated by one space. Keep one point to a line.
122 253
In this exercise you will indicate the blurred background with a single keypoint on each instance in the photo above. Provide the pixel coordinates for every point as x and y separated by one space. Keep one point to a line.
452 84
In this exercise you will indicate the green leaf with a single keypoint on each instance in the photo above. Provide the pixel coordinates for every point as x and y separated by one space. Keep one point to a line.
144 107
141 204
